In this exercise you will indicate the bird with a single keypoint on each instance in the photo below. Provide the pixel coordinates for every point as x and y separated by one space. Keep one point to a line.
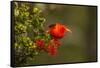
58 30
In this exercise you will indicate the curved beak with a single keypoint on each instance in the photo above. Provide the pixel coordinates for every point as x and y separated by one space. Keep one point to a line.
68 30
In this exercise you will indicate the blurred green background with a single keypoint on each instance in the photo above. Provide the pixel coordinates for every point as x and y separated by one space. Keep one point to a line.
78 46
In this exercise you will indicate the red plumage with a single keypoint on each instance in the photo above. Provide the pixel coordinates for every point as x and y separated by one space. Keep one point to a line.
58 30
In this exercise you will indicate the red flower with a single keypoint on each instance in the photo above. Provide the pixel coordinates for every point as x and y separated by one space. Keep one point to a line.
58 30
40 44
56 42
52 50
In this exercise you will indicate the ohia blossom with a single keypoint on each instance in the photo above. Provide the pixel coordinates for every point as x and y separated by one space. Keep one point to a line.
52 50
40 43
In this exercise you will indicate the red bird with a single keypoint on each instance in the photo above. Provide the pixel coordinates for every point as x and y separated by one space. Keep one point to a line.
58 30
